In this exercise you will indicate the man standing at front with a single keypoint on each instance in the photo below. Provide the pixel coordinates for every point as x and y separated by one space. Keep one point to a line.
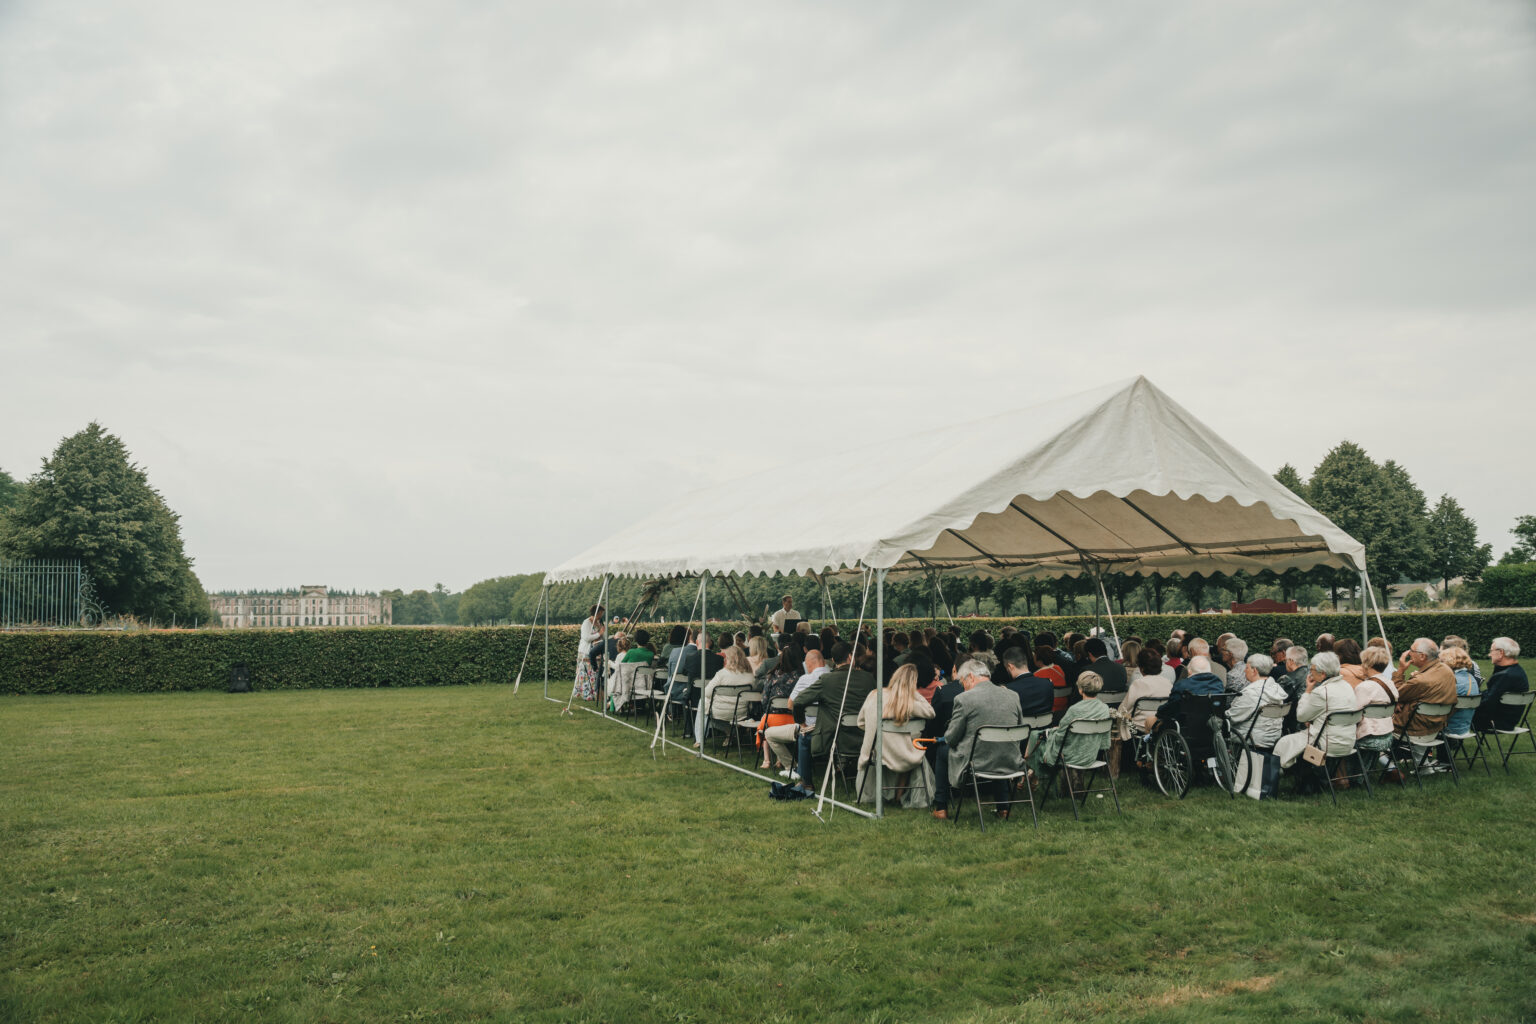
784 615
983 703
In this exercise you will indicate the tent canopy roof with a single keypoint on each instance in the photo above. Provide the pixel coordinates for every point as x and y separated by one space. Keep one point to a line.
1117 479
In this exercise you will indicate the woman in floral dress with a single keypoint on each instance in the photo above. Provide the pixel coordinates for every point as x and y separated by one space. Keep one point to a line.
586 675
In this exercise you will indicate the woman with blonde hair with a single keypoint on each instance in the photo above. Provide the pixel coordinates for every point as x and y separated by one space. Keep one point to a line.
737 672
1460 662
757 652
900 703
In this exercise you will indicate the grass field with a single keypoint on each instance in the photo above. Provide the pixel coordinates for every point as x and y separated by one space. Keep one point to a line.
460 854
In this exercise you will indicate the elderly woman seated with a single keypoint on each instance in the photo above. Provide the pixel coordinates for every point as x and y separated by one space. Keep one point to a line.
899 703
1148 681
1245 712
1326 693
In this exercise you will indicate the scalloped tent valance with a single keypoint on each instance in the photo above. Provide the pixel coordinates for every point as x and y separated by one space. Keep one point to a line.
1117 479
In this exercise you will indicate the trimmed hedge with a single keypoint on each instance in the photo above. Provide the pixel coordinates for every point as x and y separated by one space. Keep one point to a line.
147 662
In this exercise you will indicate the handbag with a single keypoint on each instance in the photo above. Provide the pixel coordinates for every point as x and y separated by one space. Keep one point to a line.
1314 755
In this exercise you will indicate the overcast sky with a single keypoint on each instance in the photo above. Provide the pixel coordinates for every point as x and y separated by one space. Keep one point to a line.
389 294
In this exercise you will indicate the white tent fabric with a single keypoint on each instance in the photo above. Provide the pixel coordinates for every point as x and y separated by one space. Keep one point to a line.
1117 479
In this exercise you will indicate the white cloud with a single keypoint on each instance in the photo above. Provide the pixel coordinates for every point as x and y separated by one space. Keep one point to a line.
390 295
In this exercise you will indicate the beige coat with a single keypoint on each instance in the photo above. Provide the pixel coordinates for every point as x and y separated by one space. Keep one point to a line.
902 756
900 753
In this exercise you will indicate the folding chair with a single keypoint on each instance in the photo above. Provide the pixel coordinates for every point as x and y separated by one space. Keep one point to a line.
1418 748
1464 740
1065 768
1522 727
732 697
1037 726
845 752
1332 763
898 782
1018 735
632 685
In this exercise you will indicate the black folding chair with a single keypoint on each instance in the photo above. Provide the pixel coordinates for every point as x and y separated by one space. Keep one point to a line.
1018 735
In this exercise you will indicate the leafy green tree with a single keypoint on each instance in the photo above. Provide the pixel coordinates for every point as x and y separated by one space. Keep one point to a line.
1509 586
1292 481
1416 600
1006 593
10 489
1453 543
487 602
1402 548
1381 507
1525 542
89 502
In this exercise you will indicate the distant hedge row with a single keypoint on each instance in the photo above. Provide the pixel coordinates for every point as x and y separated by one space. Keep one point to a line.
39 663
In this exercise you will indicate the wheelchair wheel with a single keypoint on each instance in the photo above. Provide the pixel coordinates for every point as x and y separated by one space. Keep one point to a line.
1172 766
1224 762
1238 754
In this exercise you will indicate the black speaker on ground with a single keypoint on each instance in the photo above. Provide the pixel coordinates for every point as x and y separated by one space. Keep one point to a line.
239 678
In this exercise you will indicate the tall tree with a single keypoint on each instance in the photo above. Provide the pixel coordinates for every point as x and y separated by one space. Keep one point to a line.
1292 481
89 502
10 489
1525 542
1402 548
1453 543
1381 507
1006 593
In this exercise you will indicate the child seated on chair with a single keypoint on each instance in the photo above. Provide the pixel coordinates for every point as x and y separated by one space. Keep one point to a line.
1061 744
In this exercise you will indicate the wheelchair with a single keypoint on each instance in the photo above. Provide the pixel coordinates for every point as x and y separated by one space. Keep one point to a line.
1197 741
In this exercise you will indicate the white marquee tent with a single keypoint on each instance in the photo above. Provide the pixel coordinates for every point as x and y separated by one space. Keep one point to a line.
1117 479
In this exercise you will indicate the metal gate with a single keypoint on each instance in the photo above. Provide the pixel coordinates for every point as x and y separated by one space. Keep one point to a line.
47 592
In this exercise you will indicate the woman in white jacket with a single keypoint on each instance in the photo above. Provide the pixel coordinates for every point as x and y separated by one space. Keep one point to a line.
1326 693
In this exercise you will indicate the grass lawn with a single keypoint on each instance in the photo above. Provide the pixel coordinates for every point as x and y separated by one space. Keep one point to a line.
460 854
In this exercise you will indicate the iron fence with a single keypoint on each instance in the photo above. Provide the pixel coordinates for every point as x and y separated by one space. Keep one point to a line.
46 592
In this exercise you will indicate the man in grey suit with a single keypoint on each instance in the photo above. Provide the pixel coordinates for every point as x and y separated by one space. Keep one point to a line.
984 703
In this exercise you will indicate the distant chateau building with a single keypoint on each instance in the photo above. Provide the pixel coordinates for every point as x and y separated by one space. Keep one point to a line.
309 606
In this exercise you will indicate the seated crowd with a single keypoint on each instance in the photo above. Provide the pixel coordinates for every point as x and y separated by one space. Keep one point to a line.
941 687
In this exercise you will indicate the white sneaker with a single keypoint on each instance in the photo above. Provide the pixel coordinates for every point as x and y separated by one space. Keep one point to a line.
792 776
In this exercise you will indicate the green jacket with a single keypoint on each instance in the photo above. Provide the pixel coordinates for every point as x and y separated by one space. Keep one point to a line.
1078 749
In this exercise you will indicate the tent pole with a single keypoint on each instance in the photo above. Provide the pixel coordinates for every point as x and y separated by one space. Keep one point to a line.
1111 613
546 643
660 735
698 741
602 697
528 648
879 638
1365 575
943 600
1365 623
602 596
